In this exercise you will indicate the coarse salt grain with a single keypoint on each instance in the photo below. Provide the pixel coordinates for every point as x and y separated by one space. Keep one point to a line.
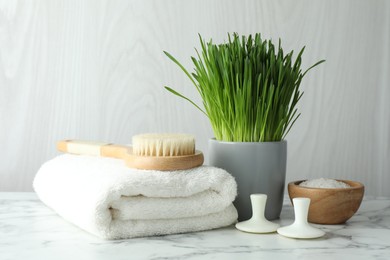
324 183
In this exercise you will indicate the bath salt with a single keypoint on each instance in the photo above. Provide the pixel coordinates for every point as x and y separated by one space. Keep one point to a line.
324 183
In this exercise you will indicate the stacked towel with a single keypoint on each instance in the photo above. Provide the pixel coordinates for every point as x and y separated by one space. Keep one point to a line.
105 198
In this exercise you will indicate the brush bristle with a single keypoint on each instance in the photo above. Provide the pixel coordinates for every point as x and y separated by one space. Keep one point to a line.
163 144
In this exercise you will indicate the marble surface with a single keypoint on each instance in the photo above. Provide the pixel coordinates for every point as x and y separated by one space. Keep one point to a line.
30 230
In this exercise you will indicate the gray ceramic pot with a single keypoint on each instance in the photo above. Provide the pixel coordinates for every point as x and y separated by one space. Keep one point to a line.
258 167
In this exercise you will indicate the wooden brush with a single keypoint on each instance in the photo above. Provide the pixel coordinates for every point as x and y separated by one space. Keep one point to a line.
164 152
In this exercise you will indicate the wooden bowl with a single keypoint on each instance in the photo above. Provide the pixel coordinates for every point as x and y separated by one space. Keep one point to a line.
329 206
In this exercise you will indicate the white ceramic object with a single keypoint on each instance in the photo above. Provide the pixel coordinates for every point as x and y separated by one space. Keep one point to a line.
258 223
301 228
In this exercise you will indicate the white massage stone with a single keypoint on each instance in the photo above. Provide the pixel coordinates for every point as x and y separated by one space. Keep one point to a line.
301 228
258 223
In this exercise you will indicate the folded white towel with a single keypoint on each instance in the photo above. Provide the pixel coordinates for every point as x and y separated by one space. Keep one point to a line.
104 197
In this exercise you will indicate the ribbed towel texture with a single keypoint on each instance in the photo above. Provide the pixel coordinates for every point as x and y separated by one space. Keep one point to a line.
112 201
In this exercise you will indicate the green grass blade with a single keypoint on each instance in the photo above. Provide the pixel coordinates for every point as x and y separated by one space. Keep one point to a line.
189 100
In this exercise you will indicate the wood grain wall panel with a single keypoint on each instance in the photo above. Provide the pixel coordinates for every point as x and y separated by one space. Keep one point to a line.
95 70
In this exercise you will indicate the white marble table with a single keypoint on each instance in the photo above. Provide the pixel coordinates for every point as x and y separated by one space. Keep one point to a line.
29 230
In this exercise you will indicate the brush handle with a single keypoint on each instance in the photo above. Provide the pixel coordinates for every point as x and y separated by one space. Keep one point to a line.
92 148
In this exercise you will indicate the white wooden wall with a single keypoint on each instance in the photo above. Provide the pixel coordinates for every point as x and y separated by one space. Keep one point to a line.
96 70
